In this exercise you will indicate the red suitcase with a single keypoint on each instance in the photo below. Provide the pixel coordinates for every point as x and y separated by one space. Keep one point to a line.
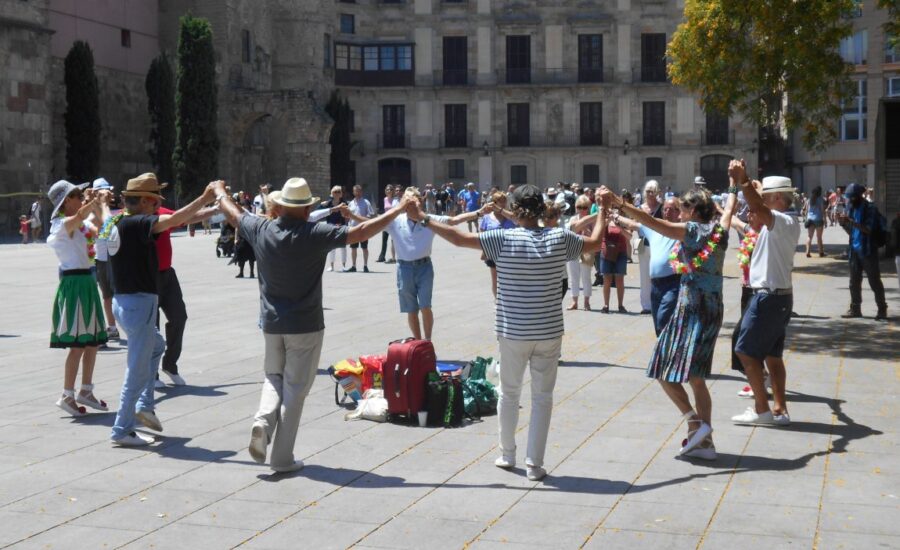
404 376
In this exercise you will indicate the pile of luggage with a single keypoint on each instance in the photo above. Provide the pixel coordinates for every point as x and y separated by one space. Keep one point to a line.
409 386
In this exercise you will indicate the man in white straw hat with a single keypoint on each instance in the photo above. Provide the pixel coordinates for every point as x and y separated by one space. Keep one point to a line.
762 333
290 254
103 269
131 239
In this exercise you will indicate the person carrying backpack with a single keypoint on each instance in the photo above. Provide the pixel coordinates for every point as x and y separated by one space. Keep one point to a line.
867 231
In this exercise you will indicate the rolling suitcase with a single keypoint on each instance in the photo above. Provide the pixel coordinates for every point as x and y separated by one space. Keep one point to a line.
404 376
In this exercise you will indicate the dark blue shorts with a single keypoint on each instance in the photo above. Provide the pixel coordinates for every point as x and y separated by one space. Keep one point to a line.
764 326
663 299
614 268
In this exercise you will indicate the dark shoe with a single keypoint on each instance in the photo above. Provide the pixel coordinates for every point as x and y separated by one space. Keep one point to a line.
622 309
645 312
239 276
349 270
380 260
808 255
598 280
882 314
604 309
852 313
365 269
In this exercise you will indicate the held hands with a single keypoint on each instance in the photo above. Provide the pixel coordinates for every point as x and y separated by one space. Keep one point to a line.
606 196
343 209
737 172
212 189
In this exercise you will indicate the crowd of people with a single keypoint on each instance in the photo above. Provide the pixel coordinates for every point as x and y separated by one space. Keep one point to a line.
539 245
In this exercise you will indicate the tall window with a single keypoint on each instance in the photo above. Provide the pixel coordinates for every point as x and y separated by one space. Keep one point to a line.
394 126
591 123
891 53
456 169
518 174
370 58
653 167
893 86
245 46
590 58
125 36
518 59
653 57
327 51
590 174
854 48
654 127
518 124
455 128
716 129
456 60
854 125
348 23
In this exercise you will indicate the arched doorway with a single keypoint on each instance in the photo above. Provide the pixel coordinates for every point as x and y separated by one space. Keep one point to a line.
714 169
394 172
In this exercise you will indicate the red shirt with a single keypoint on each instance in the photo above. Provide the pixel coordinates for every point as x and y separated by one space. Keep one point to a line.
164 243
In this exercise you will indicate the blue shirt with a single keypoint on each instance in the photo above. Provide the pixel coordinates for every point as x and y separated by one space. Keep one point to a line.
660 248
471 198
814 214
864 214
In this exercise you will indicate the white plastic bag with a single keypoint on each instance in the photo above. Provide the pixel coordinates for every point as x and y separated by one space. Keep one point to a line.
373 406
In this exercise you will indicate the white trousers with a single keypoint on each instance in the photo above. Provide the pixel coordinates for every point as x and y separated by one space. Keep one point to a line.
644 263
579 278
331 255
291 363
543 358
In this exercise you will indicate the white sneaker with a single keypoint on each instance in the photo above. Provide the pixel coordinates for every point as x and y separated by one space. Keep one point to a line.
297 465
535 473
782 419
703 453
751 417
176 379
259 441
746 391
133 439
150 420
159 384
505 462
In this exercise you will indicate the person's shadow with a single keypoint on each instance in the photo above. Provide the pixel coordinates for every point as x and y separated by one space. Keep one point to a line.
170 392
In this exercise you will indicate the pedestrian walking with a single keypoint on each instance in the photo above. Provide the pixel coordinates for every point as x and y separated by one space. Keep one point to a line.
861 222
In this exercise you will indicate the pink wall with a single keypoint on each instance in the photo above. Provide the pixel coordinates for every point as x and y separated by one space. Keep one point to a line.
100 24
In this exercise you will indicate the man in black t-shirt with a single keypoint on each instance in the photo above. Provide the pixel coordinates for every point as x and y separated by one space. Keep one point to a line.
132 255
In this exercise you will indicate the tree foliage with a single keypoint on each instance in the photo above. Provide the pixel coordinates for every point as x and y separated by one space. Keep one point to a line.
160 86
197 148
82 116
339 138
892 27
775 62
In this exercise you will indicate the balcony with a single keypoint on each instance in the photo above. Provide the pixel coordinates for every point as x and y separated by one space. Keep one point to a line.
455 141
393 141
552 141
654 139
344 77
517 75
454 77
555 76
650 73
725 137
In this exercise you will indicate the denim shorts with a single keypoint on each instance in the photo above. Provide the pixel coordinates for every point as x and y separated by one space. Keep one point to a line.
613 268
414 284
764 326
663 299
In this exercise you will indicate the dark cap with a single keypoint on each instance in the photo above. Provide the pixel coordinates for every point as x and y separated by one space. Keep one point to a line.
528 197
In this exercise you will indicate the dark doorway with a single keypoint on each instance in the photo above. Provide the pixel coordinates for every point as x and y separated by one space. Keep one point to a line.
394 172
714 169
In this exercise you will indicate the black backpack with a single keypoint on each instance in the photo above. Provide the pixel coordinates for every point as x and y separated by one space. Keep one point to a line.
444 401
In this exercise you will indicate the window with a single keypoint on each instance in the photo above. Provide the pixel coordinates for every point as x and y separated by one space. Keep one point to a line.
245 46
342 57
518 59
455 129
518 124
653 167
591 121
590 174
853 48
373 65
891 53
348 23
456 169
518 174
716 129
854 125
404 58
456 61
394 126
653 57
654 126
370 58
126 38
857 9
355 58
893 86
327 49
590 58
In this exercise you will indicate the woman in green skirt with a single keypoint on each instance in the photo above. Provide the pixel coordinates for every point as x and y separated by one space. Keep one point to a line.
78 322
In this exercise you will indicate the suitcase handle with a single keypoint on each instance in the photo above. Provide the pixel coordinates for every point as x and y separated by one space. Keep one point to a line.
397 380
401 341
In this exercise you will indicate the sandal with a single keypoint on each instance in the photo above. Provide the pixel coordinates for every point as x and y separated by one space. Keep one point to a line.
86 397
695 437
68 404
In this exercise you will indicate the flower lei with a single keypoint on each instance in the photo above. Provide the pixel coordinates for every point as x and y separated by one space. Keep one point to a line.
681 268
748 243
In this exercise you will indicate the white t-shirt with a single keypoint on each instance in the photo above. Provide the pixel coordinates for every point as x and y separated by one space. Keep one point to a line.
773 257
412 240
259 204
70 251
360 207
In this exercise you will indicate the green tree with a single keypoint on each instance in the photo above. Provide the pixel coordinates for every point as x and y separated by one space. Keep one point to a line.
775 62
339 138
82 116
197 148
892 27
160 86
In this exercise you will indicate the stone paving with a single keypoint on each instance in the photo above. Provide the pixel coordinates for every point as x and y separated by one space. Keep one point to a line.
830 480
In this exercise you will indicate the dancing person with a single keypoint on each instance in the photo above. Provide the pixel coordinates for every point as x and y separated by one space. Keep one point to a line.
291 252
336 218
764 325
102 257
651 205
495 218
78 323
815 220
529 321
580 268
389 202
684 348
861 220
362 208
135 271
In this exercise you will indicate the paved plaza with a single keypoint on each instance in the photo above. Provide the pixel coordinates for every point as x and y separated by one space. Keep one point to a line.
830 480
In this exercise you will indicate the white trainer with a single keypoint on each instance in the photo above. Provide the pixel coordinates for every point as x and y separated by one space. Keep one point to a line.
133 439
259 441
176 378
750 416
159 384
506 462
535 473
297 465
149 419
746 391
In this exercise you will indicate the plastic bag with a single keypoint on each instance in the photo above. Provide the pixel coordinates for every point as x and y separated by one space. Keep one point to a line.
372 407
347 366
372 371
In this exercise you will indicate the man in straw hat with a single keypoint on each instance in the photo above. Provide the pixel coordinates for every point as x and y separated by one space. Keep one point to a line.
290 254
134 260
762 333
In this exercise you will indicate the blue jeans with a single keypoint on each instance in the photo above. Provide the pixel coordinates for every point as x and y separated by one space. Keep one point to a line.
136 314
415 281
663 299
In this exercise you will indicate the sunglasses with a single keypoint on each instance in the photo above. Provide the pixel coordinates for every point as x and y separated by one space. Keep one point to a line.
581 208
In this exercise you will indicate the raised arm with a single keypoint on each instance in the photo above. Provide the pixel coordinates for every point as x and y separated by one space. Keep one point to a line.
231 211
446 232
628 224
669 229
467 217
373 226
71 223
594 242
182 215
576 226
737 175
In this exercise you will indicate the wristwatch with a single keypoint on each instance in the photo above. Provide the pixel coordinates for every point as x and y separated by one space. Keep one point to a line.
426 220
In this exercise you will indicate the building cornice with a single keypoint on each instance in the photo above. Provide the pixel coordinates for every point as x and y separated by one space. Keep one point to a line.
27 25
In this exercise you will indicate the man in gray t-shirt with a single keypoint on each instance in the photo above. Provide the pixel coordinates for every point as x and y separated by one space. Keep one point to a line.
290 255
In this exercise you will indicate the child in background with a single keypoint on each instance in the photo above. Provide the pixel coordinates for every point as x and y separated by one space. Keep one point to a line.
24 228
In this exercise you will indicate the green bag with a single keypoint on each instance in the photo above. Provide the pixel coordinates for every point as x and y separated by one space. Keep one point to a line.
479 395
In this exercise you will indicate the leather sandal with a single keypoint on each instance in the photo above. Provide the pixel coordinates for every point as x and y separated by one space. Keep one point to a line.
68 404
696 436
89 399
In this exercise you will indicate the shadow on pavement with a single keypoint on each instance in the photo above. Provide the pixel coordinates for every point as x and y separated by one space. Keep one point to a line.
588 364
198 391
177 448
862 338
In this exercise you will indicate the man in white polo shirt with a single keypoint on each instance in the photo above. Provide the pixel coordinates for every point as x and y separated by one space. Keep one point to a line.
415 274
762 333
